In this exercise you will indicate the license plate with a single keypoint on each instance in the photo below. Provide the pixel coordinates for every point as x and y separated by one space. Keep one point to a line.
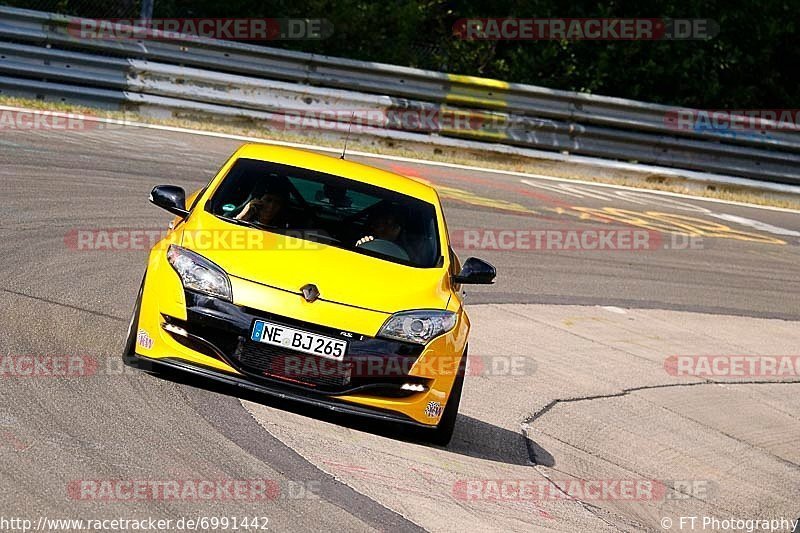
299 340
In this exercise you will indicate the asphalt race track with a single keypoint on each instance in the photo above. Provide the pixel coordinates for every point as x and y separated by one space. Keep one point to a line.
573 387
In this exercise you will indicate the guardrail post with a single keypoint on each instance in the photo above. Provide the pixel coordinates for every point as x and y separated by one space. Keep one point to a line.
147 10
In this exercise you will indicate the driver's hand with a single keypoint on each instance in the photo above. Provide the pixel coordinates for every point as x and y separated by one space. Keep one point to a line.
364 240
251 209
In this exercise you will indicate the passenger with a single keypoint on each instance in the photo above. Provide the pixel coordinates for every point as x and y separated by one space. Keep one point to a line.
385 225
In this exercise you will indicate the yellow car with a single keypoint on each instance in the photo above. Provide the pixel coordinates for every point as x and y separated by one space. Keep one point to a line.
315 279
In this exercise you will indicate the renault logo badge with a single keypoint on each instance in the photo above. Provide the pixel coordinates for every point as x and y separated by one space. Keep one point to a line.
310 292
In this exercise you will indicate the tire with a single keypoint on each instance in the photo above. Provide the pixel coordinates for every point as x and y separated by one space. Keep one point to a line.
444 430
129 352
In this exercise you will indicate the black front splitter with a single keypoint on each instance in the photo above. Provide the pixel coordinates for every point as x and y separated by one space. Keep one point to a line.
145 363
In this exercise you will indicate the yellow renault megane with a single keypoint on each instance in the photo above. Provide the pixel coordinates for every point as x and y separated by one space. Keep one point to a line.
315 279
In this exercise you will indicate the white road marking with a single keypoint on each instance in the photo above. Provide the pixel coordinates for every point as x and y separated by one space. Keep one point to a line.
582 192
676 204
763 226
640 191
637 196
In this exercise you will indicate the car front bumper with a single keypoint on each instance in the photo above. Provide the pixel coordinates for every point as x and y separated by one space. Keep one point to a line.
207 336
274 390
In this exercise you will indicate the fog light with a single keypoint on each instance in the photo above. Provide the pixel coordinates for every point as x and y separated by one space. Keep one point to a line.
172 328
414 387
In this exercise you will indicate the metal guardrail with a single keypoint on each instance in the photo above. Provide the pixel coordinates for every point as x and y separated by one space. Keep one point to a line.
39 56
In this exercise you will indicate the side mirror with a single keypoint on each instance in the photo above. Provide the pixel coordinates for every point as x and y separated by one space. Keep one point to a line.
477 272
171 198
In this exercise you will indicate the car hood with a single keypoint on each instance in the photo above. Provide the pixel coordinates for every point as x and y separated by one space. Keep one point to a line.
289 263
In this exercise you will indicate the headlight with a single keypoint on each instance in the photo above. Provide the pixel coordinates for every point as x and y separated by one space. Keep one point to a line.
199 274
418 326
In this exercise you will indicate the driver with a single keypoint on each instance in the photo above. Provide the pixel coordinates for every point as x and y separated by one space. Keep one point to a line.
269 207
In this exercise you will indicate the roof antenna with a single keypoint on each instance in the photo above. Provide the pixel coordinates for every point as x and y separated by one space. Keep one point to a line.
349 126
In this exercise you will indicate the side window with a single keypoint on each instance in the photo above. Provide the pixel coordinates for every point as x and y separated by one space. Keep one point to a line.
455 264
197 197
204 189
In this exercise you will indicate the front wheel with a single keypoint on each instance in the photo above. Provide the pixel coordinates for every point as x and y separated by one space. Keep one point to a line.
444 431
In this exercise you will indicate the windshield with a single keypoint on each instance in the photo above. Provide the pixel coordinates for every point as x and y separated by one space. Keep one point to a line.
329 209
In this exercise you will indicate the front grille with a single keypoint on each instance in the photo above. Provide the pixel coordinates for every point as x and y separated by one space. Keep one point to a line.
371 365
292 366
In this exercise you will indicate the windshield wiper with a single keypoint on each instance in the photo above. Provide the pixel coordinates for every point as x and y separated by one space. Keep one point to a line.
323 236
248 223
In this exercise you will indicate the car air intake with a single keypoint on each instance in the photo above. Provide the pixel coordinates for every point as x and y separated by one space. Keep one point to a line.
294 367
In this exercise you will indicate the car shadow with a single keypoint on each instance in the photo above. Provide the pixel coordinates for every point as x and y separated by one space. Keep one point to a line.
482 440
472 437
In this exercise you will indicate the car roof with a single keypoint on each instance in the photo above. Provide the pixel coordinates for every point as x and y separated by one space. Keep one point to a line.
339 167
